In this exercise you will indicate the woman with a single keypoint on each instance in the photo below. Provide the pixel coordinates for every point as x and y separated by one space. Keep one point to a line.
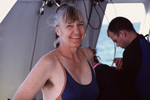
65 73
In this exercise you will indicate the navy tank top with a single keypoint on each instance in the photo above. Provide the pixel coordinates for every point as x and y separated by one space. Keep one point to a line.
75 91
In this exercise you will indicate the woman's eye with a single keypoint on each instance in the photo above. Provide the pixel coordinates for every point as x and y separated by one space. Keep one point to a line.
69 26
81 24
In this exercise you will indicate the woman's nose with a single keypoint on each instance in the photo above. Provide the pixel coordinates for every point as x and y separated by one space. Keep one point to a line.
76 29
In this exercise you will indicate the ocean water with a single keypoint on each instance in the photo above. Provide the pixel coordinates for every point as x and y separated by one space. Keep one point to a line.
105 46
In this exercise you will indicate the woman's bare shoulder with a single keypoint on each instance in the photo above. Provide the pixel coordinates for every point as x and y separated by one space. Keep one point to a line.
47 61
87 51
89 54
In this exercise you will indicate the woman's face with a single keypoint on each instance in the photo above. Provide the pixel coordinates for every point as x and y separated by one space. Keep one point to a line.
71 33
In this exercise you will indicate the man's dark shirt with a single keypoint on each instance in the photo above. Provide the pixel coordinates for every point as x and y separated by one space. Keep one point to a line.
120 85
132 59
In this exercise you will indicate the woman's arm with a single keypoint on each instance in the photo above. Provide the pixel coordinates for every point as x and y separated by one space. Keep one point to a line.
35 80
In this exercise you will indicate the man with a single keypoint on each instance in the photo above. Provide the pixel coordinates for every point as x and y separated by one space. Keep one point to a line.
134 66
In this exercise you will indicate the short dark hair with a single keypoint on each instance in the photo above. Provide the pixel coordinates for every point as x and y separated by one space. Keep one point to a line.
120 23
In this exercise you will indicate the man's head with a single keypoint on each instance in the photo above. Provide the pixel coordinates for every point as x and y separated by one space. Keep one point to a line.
121 31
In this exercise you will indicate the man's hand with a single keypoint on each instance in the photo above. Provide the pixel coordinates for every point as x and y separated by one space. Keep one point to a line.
118 62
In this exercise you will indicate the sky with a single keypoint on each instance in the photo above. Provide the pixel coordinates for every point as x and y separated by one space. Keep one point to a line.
134 11
5 6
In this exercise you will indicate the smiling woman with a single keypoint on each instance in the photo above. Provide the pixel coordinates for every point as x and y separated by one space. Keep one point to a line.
72 25
72 32
69 64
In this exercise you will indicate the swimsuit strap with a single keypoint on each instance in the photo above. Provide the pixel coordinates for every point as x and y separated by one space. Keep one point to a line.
97 64
86 57
59 97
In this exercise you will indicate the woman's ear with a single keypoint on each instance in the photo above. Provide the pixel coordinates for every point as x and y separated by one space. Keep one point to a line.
57 30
